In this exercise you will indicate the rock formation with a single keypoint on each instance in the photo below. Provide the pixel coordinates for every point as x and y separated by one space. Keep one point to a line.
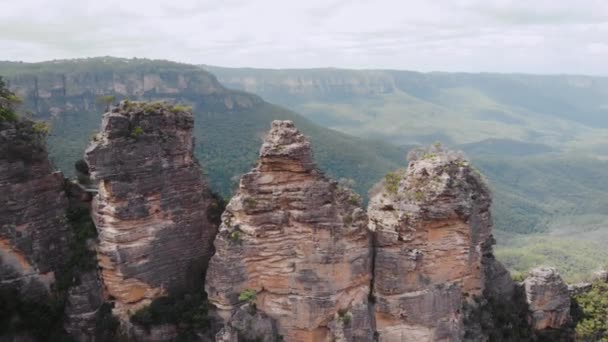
548 299
295 245
83 302
434 248
34 233
151 207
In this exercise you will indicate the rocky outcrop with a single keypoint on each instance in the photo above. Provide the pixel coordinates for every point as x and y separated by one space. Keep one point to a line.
548 299
434 248
34 233
248 324
295 245
151 207
83 302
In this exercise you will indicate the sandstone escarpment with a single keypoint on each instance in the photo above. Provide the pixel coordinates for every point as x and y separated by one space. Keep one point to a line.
294 244
434 248
34 233
150 210
548 299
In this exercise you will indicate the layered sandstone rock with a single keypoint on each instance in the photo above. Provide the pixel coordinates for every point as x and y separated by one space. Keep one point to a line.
294 244
434 248
34 233
150 211
548 299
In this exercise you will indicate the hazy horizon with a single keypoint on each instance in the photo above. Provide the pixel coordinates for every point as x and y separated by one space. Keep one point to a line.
541 37
203 65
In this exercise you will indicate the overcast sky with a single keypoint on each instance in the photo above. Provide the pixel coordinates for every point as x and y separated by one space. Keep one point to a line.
533 36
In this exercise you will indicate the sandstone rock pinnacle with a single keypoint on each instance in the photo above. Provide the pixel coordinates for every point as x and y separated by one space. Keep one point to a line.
294 245
433 229
150 211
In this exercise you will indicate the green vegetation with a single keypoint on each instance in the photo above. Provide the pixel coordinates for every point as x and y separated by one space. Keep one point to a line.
391 182
235 236
345 316
190 311
216 209
179 108
136 132
539 140
41 127
337 154
591 313
40 317
248 296
106 100
576 259
8 101
502 319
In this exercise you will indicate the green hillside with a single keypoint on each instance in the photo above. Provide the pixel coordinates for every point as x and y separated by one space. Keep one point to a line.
409 107
541 141
229 124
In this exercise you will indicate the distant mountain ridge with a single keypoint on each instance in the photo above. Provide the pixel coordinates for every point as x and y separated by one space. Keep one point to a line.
479 101
541 140
67 92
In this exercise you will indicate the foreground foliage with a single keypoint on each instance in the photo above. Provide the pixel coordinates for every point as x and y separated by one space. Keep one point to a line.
189 311
592 313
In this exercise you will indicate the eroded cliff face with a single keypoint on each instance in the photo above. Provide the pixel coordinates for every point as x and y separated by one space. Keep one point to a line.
34 233
295 245
72 86
434 245
151 207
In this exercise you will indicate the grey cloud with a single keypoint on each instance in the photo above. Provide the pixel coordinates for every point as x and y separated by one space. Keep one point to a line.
541 36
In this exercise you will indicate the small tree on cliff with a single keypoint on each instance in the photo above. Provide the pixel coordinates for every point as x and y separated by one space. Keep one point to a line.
8 102
106 100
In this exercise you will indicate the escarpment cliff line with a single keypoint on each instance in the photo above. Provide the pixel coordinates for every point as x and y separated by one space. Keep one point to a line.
434 245
151 207
294 245
34 233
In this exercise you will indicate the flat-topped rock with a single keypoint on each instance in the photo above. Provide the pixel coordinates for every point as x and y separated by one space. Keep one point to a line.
434 247
548 299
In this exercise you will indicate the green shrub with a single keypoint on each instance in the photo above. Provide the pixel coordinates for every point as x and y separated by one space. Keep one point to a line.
391 182
41 127
106 100
8 102
248 296
235 236
345 316
179 108
136 132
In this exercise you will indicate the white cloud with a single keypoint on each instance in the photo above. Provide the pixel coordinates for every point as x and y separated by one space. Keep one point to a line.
541 36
